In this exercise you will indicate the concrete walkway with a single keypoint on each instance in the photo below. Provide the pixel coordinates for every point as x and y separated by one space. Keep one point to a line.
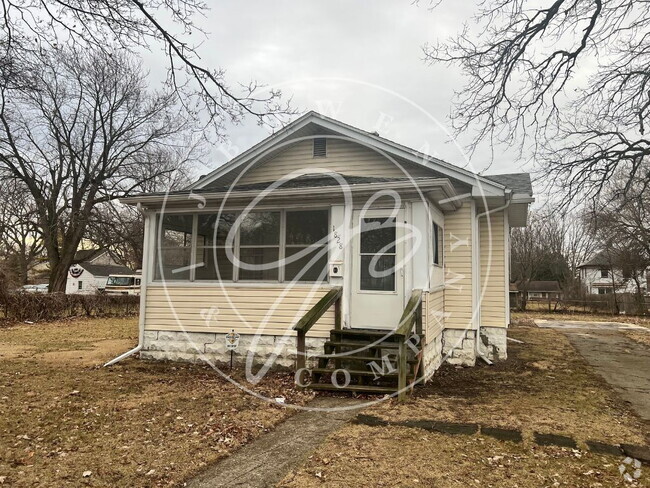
622 362
266 460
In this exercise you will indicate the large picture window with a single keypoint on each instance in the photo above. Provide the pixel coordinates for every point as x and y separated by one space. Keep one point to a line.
276 246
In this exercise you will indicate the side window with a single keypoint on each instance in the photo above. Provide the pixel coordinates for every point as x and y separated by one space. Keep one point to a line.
80 285
437 244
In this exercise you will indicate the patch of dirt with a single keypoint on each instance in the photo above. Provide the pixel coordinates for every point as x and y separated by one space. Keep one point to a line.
638 336
544 385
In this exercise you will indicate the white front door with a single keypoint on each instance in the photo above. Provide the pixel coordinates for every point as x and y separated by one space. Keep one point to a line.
377 298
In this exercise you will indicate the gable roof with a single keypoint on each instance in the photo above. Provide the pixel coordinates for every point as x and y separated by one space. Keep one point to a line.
105 269
313 123
87 255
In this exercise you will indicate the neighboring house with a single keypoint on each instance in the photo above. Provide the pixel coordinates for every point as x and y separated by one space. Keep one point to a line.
91 271
536 290
600 278
542 290
327 225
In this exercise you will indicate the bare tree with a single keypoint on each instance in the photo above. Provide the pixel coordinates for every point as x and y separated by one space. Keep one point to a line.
33 25
21 242
568 80
85 131
577 247
120 228
536 252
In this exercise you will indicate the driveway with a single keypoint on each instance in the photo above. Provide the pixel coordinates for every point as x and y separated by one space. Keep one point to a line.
622 362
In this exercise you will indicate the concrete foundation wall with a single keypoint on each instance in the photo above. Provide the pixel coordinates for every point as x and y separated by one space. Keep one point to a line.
459 346
494 343
432 356
201 346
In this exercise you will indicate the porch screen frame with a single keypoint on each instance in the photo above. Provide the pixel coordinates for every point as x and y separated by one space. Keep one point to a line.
236 246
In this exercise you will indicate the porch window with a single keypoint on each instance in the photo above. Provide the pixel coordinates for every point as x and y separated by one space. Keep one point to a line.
212 262
174 247
259 246
306 245
278 245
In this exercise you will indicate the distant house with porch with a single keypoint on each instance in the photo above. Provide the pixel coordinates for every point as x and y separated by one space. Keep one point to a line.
328 248
599 277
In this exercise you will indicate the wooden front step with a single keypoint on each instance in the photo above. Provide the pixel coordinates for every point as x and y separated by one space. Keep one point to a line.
354 350
353 388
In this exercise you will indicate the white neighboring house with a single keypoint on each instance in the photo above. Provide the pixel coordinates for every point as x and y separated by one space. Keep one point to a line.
599 277
90 275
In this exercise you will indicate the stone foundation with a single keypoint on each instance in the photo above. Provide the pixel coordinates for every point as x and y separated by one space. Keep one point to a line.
198 347
432 356
494 343
458 347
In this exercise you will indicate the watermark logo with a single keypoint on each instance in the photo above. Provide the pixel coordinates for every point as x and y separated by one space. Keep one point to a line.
256 251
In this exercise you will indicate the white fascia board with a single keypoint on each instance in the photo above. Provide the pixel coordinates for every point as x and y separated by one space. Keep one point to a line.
422 185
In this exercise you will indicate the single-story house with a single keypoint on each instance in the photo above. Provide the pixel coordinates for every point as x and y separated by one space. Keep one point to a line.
539 290
91 271
369 258
599 277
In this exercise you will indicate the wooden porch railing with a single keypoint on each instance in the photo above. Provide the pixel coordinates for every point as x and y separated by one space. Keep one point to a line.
412 316
332 297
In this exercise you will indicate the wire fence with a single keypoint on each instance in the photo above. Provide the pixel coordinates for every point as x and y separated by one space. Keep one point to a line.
622 303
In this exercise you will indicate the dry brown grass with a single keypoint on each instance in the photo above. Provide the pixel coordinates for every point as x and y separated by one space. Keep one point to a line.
527 318
403 457
544 386
135 424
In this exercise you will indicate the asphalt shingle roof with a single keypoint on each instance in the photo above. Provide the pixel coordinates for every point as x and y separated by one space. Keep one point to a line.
517 182
105 269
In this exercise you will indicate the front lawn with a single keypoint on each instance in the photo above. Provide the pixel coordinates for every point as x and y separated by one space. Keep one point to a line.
66 421
544 386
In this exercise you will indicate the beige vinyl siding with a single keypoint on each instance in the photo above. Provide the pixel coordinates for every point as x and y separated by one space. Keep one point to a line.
245 309
433 313
493 283
344 157
458 268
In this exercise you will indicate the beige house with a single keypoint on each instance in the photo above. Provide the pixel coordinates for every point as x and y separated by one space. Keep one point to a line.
372 261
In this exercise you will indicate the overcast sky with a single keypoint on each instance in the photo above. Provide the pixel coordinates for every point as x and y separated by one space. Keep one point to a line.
360 62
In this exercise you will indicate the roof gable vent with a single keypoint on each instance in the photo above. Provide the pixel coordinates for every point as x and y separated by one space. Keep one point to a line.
320 147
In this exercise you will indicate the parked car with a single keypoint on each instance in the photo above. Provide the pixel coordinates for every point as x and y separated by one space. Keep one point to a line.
33 288
123 284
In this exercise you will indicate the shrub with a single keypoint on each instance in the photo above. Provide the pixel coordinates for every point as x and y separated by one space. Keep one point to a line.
36 307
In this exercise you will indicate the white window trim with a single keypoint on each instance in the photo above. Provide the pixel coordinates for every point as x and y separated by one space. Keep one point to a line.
236 281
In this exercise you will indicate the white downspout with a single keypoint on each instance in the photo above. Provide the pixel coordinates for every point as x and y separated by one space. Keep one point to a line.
143 292
477 340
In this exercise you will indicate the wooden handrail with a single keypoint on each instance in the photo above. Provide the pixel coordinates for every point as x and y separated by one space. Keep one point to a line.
317 311
332 297
410 316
